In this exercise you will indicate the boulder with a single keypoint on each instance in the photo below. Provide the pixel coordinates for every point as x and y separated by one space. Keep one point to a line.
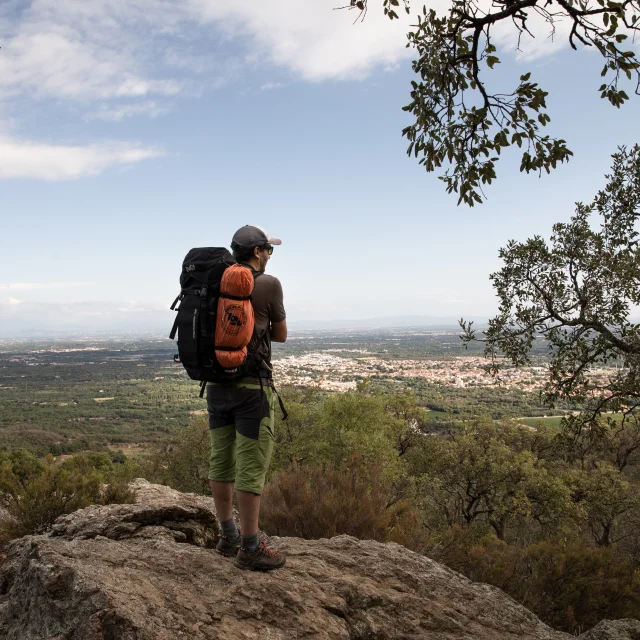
147 571
158 512
614 630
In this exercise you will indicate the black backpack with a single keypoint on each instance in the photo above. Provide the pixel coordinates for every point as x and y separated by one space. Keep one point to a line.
195 321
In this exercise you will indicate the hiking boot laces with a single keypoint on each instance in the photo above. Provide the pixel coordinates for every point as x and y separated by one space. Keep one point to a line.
270 553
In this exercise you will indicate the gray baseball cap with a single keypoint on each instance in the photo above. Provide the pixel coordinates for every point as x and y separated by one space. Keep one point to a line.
251 236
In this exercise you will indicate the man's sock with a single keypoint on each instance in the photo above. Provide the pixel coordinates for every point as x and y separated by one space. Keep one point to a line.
229 530
250 543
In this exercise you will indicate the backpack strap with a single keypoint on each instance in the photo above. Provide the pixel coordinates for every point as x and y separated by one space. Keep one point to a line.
228 296
204 308
172 335
285 413
175 302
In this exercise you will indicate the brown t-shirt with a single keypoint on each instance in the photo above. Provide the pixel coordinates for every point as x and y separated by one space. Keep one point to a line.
268 307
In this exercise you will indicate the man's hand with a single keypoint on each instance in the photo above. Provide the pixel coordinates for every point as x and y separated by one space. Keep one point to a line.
279 331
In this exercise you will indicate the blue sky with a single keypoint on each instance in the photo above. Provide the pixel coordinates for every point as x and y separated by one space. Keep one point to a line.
132 131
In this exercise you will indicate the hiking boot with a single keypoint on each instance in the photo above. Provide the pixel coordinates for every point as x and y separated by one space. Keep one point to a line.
227 548
262 559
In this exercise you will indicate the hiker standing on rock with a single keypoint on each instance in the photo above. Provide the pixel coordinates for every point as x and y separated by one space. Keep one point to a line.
241 415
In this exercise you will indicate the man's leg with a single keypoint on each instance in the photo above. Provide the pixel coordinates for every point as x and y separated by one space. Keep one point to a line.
223 497
254 445
222 468
249 508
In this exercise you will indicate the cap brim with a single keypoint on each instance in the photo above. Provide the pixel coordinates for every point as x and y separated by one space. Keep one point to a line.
274 241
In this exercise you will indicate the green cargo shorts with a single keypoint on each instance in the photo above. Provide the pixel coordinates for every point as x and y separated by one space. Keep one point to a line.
242 436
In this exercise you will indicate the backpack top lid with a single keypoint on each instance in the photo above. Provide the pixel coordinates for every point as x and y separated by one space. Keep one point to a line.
204 266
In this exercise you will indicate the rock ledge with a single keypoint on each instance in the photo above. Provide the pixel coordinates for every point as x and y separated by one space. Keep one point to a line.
147 571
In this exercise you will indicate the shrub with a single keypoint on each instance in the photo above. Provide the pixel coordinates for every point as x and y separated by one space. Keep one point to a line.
574 585
184 463
33 501
312 502
569 584
22 464
476 552
56 491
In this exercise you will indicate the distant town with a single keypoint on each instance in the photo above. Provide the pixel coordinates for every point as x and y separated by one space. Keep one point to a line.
329 371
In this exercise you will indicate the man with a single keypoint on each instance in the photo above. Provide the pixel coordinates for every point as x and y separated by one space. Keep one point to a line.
241 415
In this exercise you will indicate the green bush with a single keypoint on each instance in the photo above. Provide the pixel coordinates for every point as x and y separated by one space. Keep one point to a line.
568 583
34 494
183 463
328 431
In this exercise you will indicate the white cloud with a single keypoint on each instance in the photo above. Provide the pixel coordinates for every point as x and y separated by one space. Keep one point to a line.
268 86
125 54
101 50
119 113
24 159
544 38
117 59
31 286
544 42
105 49
132 306
51 60
309 39
318 44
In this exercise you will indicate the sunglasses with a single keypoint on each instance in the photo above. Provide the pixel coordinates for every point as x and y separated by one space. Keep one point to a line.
268 248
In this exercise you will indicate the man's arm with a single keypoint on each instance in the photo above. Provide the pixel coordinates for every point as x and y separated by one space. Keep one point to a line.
279 331
277 314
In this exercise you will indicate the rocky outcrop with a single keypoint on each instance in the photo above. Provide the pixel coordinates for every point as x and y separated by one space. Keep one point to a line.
147 571
614 630
159 512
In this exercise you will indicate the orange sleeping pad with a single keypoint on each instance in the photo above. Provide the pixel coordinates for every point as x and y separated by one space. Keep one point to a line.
235 321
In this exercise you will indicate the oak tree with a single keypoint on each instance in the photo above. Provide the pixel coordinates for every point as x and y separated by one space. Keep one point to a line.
461 122
577 294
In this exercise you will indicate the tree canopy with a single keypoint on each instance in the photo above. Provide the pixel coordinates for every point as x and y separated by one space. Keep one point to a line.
462 123
577 293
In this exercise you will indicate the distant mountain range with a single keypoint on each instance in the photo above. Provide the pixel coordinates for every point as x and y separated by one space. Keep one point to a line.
387 322
151 324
